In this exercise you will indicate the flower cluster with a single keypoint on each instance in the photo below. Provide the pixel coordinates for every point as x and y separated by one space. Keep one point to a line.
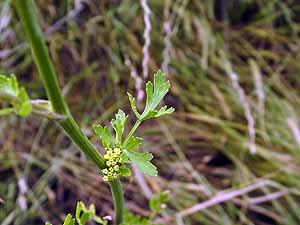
113 162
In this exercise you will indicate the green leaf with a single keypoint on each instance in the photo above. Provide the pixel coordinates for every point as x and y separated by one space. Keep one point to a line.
82 214
163 111
78 211
92 208
133 105
158 201
118 124
155 92
85 217
25 109
15 95
104 134
69 220
97 219
125 171
24 106
133 143
132 219
142 160
125 158
47 223
6 111
9 85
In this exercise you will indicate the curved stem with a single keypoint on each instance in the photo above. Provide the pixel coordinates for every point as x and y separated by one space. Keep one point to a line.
25 10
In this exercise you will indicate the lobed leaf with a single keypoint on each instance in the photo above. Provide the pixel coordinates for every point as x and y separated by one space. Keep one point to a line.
133 143
133 105
104 134
142 160
118 124
155 93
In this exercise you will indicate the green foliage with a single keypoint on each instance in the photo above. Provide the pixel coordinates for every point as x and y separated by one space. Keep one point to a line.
142 160
132 219
119 153
82 216
118 124
125 171
105 135
155 94
12 93
133 143
69 220
133 105
158 201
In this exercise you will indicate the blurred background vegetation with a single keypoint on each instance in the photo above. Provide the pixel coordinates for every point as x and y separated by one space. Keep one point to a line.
230 63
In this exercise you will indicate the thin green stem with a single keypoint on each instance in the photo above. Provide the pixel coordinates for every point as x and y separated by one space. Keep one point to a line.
117 193
25 10
131 132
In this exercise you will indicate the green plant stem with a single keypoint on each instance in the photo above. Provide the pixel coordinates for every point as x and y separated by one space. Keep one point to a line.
117 193
131 132
25 10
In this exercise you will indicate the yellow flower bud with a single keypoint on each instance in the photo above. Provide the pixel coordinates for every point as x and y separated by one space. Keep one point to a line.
105 171
116 168
117 151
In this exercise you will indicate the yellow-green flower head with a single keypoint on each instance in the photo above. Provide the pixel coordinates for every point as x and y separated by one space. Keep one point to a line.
113 163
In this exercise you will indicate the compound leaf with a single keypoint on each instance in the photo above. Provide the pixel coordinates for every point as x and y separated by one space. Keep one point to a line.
155 93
